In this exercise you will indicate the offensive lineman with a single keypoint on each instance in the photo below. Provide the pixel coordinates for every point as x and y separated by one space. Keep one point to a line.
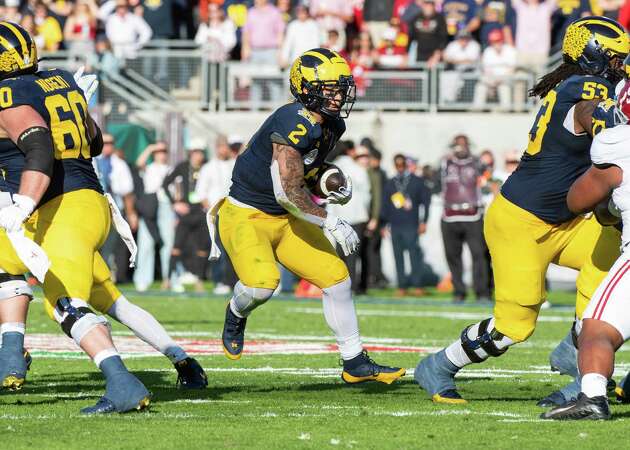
532 206
44 113
269 217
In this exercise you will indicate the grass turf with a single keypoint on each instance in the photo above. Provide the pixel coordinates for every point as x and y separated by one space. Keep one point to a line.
299 401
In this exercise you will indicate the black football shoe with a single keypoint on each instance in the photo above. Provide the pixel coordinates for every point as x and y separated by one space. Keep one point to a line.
584 408
363 368
233 334
190 374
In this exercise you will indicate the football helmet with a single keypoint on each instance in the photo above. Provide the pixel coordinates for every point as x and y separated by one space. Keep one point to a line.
321 80
18 53
598 45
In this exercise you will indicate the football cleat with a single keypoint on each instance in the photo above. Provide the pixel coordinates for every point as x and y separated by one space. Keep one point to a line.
13 369
233 334
622 391
28 359
124 392
363 368
584 408
190 374
562 396
436 375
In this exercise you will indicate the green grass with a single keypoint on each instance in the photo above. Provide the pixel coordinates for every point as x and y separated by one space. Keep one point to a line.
308 406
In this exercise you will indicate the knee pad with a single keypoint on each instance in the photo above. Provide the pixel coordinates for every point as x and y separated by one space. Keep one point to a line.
14 286
76 318
249 298
482 340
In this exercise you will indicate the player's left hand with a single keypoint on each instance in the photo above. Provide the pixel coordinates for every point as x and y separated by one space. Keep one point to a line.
87 83
342 196
12 216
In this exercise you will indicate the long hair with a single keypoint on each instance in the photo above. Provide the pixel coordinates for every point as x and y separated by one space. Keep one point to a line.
552 79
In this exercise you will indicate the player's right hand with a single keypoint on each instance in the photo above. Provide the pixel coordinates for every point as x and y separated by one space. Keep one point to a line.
12 216
343 233
87 83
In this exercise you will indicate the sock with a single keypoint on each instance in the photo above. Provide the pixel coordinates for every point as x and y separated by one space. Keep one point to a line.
103 355
458 356
245 299
144 325
341 317
12 335
594 385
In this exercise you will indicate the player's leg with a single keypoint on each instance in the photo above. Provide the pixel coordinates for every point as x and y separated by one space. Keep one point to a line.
519 270
604 329
107 299
452 238
592 250
70 244
247 236
305 251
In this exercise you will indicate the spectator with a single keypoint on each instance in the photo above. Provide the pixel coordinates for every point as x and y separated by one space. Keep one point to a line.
104 58
126 31
460 15
406 203
159 16
28 23
116 180
377 14
462 218
12 11
157 220
497 14
533 32
48 27
461 55
217 37
79 30
367 55
498 64
332 15
390 55
427 33
608 8
333 41
284 6
356 212
262 39
214 184
302 35
236 11
567 12
192 241
377 183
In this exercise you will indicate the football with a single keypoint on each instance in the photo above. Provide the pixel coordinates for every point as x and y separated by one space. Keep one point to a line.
329 178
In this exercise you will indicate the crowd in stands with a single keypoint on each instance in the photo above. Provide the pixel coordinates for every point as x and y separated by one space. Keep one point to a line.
166 208
372 34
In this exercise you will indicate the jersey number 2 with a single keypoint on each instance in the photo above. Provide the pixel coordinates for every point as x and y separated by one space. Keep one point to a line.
68 134
295 135
540 125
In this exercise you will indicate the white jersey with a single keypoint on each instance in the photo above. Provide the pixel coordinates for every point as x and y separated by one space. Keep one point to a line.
612 146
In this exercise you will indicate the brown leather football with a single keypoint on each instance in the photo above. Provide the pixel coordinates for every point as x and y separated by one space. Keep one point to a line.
328 178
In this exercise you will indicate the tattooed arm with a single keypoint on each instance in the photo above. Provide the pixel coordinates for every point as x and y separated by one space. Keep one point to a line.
287 173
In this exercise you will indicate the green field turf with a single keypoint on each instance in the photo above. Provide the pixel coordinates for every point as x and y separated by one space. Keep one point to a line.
298 401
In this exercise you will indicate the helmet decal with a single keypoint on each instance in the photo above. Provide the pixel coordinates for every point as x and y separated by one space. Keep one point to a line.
575 41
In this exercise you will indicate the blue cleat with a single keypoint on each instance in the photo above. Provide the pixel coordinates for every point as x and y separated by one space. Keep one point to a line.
436 375
124 392
233 334
13 369
363 368
190 374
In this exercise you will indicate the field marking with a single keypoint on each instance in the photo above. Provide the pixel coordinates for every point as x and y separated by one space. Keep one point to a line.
449 315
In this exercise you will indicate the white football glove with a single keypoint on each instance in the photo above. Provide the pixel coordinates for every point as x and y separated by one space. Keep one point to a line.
12 216
87 83
343 196
343 233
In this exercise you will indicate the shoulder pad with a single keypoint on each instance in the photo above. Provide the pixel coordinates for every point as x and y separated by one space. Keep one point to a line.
295 126
583 87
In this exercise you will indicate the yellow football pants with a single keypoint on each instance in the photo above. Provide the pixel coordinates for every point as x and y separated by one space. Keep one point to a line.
522 246
256 242
70 228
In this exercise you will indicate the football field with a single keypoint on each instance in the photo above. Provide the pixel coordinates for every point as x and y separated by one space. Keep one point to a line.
286 391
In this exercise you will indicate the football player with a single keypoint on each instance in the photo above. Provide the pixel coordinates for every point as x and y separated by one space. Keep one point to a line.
269 216
576 104
605 323
51 140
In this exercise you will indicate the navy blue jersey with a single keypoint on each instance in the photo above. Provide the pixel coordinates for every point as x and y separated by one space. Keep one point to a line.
57 98
555 157
295 126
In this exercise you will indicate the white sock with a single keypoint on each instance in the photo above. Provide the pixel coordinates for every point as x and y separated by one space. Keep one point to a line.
341 317
12 327
103 355
144 325
594 384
